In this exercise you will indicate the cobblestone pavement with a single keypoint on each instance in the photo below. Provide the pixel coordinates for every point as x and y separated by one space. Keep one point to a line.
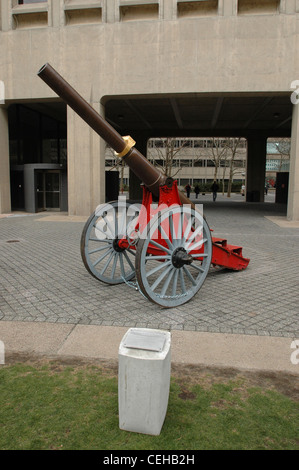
43 278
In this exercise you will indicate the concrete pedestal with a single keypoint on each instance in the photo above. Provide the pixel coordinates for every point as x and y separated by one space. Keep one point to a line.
143 380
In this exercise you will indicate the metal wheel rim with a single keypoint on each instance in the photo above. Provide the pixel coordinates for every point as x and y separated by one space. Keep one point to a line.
158 279
98 250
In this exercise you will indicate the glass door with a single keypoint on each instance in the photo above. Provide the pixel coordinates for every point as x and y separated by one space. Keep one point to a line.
48 190
52 190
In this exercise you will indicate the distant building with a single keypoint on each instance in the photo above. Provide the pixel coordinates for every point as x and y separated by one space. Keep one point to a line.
193 160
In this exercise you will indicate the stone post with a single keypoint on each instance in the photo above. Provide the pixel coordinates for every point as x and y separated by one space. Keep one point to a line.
293 197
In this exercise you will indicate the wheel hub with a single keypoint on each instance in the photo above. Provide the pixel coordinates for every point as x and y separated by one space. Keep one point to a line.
116 244
180 257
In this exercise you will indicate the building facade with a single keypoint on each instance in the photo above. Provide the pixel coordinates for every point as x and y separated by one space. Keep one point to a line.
199 161
152 68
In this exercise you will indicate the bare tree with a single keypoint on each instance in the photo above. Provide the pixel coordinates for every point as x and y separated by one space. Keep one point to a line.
219 153
283 147
164 154
232 144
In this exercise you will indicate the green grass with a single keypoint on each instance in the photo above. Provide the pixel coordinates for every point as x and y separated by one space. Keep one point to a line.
54 406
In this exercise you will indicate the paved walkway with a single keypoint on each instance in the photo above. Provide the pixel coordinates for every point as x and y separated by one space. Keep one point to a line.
45 284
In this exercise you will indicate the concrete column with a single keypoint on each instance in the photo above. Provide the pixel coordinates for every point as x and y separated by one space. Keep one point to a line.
135 189
111 11
5 15
168 10
227 7
5 205
86 166
256 169
287 6
57 13
293 197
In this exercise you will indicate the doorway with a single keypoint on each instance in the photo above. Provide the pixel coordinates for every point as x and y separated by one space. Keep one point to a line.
48 190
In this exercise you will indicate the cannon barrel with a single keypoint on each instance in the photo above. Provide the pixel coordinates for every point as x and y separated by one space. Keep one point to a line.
141 167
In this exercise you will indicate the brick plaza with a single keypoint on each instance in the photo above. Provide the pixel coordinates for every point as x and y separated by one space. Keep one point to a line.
43 279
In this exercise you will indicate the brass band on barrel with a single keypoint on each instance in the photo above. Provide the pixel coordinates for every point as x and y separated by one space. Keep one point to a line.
129 144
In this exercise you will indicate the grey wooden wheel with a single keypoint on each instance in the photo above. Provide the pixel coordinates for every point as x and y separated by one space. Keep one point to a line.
102 256
176 273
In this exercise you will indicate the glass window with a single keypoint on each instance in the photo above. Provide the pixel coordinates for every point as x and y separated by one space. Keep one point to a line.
200 163
50 142
21 2
29 128
185 163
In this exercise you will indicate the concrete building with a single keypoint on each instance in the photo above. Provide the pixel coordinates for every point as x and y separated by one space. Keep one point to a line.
153 68
191 160
198 161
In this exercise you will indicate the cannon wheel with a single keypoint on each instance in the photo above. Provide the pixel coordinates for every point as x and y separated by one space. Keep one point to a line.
174 275
101 255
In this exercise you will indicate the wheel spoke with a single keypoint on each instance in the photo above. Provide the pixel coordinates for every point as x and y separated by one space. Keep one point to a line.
199 255
102 231
157 257
97 249
199 268
186 270
175 282
161 277
128 260
153 242
188 227
107 262
102 257
108 226
133 252
157 268
167 282
123 218
122 269
194 234
166 238
182 279
100 240
180 226
171 228
114 265
196 245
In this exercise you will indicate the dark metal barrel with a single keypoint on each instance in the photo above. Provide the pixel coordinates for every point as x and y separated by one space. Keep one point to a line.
141 167
81 107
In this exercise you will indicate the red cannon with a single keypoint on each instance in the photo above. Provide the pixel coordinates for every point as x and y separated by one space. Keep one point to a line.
165 242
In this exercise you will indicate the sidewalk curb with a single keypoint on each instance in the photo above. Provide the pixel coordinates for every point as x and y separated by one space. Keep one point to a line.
101 343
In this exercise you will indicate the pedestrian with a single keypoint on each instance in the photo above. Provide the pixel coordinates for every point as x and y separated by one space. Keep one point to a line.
188 189
196 190
215 188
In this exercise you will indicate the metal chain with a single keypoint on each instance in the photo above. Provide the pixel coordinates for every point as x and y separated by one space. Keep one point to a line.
134 285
